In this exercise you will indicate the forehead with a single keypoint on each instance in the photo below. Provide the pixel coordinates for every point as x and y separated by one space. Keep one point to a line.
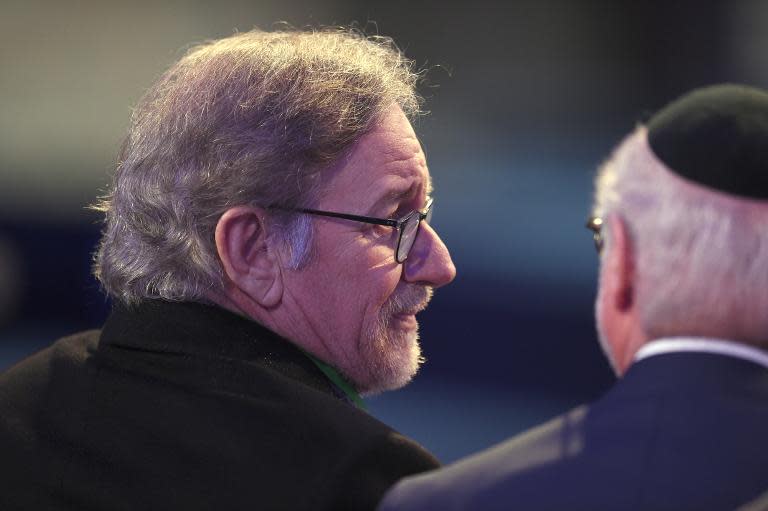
387 160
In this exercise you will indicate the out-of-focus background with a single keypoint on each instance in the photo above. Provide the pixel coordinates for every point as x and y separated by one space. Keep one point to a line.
526 99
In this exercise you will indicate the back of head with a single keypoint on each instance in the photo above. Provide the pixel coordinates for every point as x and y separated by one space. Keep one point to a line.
252 119
692 187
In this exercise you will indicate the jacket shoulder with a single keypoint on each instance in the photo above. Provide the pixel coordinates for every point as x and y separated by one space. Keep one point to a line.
463 484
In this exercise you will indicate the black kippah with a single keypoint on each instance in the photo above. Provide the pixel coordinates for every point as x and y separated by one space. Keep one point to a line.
716 136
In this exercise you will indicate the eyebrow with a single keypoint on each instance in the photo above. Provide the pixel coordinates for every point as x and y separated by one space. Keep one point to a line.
397 196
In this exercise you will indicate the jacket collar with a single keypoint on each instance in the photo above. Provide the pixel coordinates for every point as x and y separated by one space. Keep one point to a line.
683 373
195 329
703 345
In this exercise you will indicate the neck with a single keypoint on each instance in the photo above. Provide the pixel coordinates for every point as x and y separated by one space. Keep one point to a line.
283 319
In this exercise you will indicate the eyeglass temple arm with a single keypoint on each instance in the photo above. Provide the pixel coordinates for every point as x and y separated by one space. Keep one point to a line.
357 218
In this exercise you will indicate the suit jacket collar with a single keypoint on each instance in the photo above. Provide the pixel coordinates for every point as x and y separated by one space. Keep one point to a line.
187 328
703 345
686 373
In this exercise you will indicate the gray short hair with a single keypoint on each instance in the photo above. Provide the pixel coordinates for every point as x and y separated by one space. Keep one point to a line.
702 256
250 119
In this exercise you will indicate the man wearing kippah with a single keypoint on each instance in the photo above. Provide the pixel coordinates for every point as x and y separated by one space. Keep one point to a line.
681 222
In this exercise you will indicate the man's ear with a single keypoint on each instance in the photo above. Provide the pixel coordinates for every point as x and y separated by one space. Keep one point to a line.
620 262
249 261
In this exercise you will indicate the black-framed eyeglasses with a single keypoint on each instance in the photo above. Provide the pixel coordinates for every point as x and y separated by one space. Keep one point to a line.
407 226
595 224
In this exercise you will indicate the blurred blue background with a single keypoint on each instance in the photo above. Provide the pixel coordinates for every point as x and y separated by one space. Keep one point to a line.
526 99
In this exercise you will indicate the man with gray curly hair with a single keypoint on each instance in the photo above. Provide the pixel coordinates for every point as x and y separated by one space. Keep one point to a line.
681 222
267 246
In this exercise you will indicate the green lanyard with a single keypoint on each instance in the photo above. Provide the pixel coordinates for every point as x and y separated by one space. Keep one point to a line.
339 381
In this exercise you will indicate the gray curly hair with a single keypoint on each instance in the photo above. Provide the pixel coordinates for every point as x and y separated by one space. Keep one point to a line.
251 119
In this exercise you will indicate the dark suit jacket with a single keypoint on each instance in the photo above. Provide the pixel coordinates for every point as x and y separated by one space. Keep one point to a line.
186 406
682 431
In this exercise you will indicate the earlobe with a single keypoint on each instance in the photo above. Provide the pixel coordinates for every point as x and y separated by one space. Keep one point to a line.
621 261
249 262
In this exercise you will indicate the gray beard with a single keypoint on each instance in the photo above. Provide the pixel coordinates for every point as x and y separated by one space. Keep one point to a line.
392 359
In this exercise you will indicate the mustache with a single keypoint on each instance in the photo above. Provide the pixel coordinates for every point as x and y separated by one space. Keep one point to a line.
411 299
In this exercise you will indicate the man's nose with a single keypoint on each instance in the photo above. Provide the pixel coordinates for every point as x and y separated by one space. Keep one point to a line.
428 262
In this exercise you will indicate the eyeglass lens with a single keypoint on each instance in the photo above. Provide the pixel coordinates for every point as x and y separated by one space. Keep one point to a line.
409 232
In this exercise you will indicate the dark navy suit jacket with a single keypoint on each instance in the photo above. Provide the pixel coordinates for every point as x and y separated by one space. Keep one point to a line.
680 431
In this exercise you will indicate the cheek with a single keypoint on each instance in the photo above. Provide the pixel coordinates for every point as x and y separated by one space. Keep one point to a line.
375 291
375 288
599 311
600 307
385 276
358 278
370 266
